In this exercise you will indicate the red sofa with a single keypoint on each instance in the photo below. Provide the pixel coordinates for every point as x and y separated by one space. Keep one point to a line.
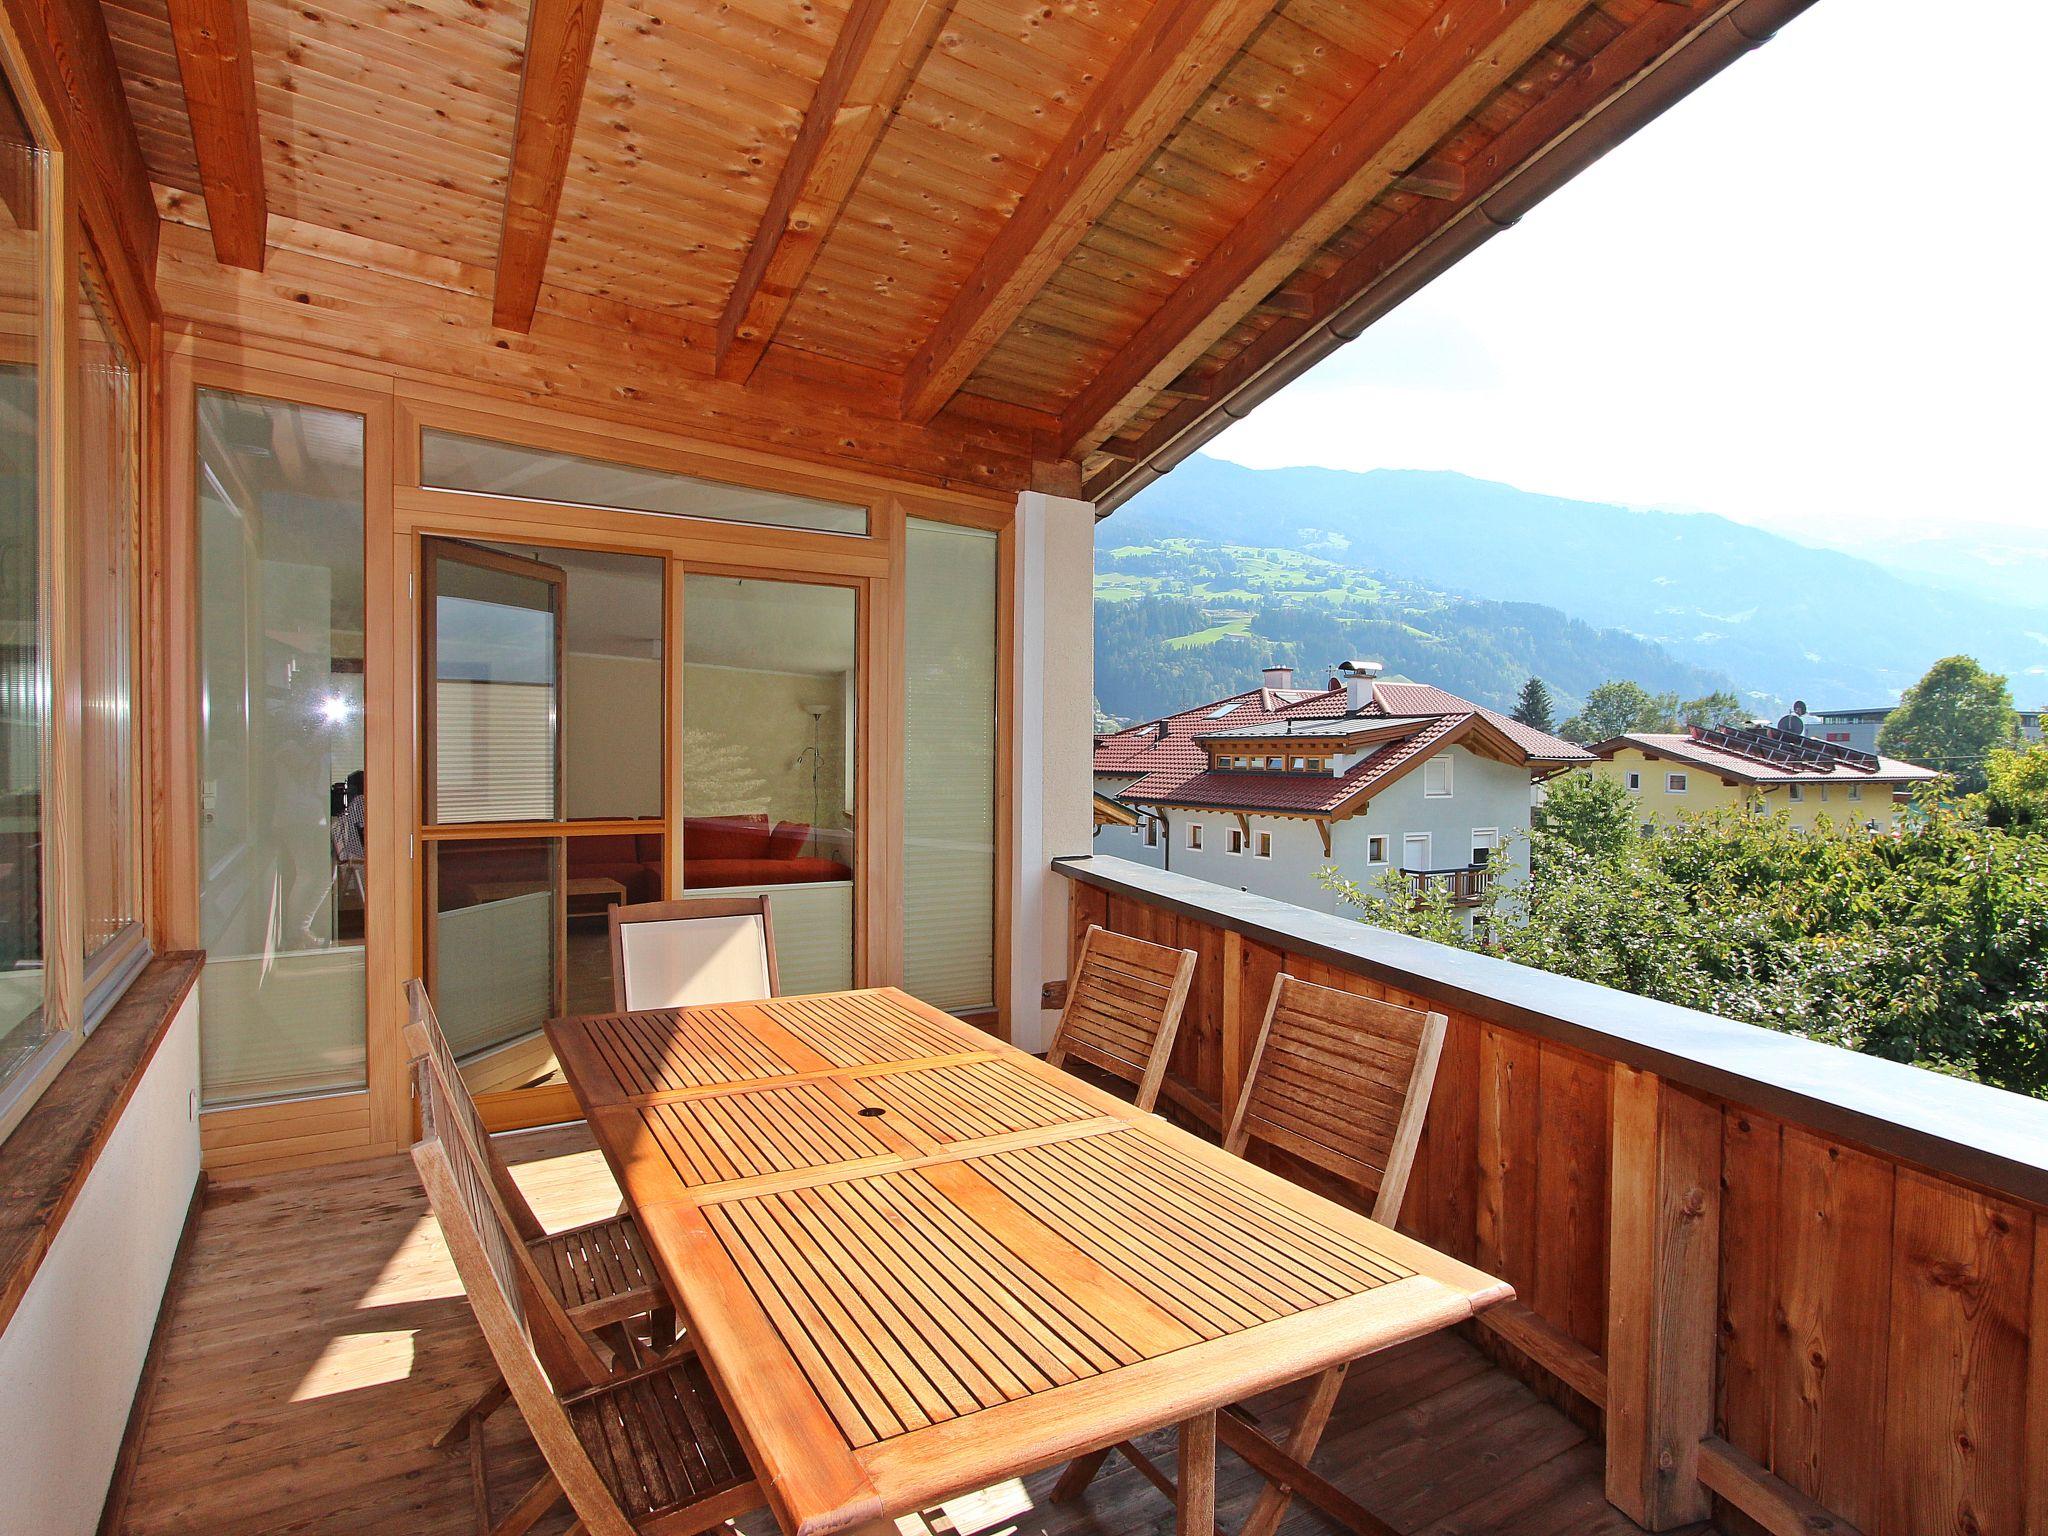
747 850
717 851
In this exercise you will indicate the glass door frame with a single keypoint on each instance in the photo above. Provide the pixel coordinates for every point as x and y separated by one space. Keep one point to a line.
863 564
397 512
377 1117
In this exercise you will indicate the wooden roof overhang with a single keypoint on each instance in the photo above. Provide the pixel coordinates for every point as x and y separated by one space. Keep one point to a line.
960 242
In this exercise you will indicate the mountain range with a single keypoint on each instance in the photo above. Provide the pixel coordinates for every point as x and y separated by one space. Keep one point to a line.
1716 598
1179 621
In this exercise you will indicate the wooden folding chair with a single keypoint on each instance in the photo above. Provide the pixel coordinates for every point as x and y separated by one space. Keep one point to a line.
1341 1082
681 954
1123 1009
649 1453
599 1273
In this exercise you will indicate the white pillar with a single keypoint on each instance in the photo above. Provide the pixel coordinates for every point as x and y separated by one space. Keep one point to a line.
1053 673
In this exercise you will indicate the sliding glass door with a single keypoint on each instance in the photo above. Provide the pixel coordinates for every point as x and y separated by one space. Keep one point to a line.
542 704
769 741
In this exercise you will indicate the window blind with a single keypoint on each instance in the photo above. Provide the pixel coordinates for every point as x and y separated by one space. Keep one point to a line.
949 758
494 751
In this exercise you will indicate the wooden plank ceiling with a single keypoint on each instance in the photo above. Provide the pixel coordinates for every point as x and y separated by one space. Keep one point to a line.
1046 225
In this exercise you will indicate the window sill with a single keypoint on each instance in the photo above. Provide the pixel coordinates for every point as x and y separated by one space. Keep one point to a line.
45 1162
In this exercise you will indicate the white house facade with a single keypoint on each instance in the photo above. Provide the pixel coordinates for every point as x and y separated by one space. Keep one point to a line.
1265 790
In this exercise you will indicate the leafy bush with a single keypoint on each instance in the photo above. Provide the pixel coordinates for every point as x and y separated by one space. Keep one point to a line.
1929 946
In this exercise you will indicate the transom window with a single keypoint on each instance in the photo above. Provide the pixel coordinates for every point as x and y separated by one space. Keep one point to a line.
453 461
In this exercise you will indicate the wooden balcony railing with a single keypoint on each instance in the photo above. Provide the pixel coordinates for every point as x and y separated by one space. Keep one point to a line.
1805 1286
1466 884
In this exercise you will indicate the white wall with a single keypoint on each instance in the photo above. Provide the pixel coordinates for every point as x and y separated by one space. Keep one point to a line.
1290 875
611 734
1054 677
1484 793
73 1351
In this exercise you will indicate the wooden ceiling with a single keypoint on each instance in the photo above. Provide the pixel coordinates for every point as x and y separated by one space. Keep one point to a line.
1061 221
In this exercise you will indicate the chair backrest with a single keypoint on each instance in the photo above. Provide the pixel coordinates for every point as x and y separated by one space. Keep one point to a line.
681 954
1123 1009
494 1269
428 1048
1341 1081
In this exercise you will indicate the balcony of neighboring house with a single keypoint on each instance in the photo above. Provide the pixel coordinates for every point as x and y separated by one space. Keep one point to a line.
1463 887
469 474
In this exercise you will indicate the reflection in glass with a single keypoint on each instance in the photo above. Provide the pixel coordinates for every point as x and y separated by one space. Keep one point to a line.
284 802
105 489
768 720
453 462
22 1029
949 766
519 933
597 699
494 633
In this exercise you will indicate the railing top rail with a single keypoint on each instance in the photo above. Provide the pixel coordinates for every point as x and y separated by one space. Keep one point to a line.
1983 1135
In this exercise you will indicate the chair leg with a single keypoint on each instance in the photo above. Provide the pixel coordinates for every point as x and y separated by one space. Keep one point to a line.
1079 1474
488 1402
534 1503
1308 1429
480 1482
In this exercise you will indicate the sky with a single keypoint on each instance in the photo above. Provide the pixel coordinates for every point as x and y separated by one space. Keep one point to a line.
1813 296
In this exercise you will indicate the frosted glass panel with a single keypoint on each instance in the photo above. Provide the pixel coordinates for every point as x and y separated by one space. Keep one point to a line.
104 508
451 461
284 803
949 766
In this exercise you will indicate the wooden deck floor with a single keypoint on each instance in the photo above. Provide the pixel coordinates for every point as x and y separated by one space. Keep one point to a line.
321 1340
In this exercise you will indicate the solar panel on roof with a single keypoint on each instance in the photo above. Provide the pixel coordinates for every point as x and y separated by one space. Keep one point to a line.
1782 749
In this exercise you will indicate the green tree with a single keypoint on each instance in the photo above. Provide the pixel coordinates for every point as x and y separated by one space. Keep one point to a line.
1533 705
1930 948
2015 794
1714 711
1587 813
1618 707
1952 720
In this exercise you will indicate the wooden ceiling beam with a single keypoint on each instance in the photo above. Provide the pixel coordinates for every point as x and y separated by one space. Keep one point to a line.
1440 179
218 68
560 35
1579 97
1176 56
1466 50
880 48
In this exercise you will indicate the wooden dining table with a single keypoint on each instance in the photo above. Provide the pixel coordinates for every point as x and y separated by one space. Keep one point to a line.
918 1261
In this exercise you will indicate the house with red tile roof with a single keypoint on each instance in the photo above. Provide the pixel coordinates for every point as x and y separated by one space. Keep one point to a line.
1265 789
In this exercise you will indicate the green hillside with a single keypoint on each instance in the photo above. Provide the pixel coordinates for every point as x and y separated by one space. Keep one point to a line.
1181 620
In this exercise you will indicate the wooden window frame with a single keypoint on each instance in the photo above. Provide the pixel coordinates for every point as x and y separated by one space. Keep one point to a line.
72 245
1677 783
398 512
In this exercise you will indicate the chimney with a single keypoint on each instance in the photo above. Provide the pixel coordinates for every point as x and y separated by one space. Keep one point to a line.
1358 682
1277 677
